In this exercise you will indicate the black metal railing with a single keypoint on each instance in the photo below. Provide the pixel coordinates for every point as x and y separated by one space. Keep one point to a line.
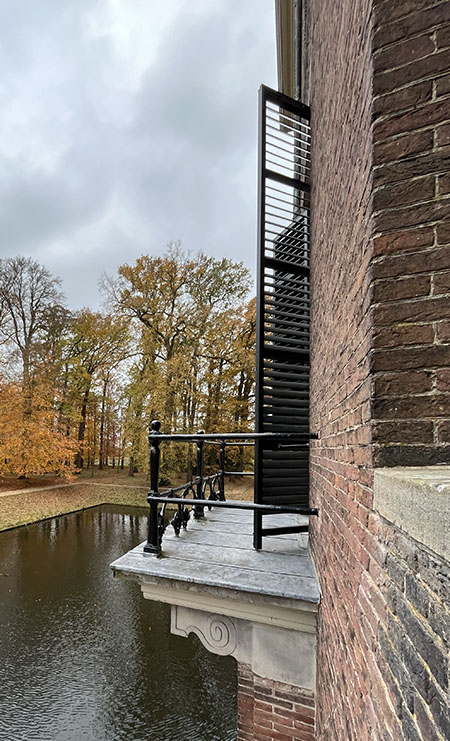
213 485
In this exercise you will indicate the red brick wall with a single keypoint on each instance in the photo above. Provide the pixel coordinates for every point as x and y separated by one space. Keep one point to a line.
341 337
411 202
380 350
273 711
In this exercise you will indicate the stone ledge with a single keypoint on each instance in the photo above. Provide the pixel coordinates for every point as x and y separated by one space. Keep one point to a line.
256 608
417 500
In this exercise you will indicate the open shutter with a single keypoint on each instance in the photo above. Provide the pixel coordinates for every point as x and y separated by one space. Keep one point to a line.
282 354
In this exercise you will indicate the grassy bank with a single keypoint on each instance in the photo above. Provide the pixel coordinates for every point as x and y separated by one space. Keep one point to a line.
39 501
25 507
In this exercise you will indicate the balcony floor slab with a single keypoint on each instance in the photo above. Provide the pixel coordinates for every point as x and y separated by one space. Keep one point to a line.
216 555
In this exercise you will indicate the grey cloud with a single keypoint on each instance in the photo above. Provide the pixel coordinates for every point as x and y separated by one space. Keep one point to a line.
96 171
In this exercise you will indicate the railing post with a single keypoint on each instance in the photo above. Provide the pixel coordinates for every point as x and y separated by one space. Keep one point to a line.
222 472
257 485
153 544
198 511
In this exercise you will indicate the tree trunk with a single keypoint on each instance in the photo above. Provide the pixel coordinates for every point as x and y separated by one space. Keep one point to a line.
79 460
101 445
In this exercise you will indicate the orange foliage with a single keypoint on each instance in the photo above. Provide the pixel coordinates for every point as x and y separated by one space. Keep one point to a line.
30 443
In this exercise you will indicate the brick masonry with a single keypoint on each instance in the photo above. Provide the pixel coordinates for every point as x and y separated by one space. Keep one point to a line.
412 638
273 711
341 340
378 82
411 238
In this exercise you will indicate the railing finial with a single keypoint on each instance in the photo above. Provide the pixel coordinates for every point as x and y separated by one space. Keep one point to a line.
155 426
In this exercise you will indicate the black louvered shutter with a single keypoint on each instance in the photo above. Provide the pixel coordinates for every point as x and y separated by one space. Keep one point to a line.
282 355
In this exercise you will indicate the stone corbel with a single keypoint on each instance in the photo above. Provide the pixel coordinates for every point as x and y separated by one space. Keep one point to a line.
218 633
279 654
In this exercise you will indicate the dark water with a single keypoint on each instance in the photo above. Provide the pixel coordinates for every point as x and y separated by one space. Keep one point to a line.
84 656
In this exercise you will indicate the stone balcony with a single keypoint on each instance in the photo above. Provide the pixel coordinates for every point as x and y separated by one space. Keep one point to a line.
258 606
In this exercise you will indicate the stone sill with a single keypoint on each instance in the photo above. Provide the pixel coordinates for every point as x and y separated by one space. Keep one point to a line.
417 500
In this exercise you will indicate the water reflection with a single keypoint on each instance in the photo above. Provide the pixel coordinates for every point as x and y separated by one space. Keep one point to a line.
84 656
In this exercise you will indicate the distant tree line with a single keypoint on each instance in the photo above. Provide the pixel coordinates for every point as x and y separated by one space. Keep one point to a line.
175 341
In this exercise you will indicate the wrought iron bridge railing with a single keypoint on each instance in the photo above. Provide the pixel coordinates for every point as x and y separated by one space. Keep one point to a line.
209 490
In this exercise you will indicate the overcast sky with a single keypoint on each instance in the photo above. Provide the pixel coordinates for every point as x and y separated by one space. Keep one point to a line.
126 124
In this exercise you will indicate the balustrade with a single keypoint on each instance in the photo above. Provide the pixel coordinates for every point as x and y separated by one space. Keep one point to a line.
209 490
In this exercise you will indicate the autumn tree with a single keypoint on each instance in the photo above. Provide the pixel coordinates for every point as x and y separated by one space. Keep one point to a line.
176 298
29 295
32 316
34 445
192 343
97 344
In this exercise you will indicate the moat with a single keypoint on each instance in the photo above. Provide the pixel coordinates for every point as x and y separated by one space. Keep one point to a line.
84 656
